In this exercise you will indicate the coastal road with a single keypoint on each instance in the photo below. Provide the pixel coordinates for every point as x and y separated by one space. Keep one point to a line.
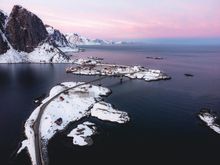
36 126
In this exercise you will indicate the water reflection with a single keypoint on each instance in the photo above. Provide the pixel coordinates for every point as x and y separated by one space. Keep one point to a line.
162 113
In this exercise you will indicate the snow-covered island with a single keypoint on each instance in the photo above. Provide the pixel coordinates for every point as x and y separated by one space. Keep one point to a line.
93 66
82 101
210 119
82 134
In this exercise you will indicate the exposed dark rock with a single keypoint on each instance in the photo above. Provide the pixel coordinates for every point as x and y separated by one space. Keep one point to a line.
3 45
205 110
59 121
2 21
24 29
56 38
217 121
38 100
189 75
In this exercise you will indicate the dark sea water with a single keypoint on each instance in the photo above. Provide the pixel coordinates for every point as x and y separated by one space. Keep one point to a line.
164 128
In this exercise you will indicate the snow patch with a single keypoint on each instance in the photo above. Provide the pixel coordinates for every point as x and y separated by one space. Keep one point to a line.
210 119
44 53
105 111
12 56
77 39
68 49
69 106
47 53
82 134
50 30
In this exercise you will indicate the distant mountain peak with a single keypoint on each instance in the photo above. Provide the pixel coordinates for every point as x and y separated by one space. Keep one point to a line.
77 39
24 38
24 29
56 37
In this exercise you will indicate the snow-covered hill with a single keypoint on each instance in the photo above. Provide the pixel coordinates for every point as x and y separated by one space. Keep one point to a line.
58 39
25 39
44 53
43 44
77 39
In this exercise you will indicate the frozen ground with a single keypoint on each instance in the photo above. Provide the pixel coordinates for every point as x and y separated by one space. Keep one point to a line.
70 106
95 67
82 134
210 119
44 53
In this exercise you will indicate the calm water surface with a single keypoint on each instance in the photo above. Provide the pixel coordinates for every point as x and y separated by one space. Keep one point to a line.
164 126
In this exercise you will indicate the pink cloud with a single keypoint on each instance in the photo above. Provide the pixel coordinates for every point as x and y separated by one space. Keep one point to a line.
126 19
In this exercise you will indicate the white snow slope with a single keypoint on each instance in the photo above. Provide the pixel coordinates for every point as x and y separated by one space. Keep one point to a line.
44 53
70 107
77 39
210 119
60 41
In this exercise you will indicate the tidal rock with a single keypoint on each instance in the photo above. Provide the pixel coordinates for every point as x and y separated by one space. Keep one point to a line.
189 75
24 29
210 118
154 58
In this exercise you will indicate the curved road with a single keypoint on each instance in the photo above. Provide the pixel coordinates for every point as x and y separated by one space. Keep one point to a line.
36 125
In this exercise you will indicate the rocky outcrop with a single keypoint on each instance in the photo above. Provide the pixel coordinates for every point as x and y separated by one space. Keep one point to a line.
76 39
3 17
24 29
24 39
58 40
56 37
3 43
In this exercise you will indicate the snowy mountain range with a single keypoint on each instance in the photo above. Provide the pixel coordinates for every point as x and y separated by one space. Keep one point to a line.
24 38
77 39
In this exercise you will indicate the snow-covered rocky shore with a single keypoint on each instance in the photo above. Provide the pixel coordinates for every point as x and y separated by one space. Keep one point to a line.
95 67
44 53
82 134
70 106
210 119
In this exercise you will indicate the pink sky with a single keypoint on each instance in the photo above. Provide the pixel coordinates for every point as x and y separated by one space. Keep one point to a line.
128 19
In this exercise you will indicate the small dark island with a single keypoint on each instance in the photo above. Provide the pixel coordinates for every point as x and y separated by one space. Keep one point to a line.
154 58
189 75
